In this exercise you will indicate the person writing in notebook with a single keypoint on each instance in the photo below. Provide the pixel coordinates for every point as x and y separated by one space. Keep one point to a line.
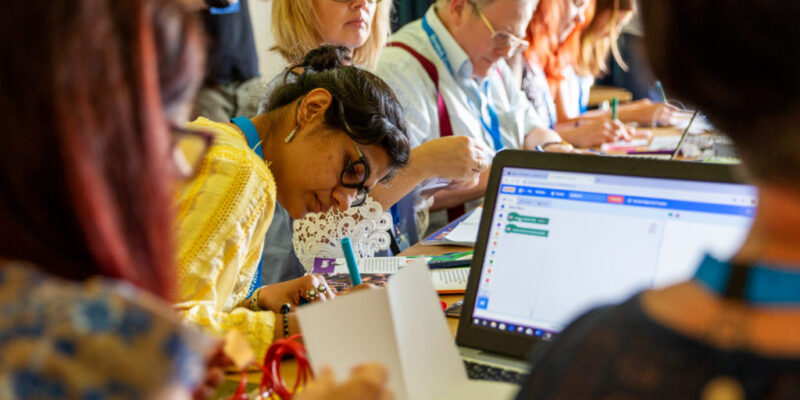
455 54
324 141
588 52
731 332
555 33
362 26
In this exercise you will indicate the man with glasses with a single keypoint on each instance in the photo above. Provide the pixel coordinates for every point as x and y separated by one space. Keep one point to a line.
448 71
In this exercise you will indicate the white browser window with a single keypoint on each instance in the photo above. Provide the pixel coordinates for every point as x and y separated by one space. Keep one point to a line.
562 243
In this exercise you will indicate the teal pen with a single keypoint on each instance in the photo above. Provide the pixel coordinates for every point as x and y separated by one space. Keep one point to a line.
661 89
350 258
614 104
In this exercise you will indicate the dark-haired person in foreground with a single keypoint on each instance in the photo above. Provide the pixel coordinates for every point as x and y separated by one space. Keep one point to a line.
691 340
86 255
324 141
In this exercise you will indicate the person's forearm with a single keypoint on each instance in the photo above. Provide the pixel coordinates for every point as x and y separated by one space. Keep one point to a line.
406 179
539 136
445 199
448 198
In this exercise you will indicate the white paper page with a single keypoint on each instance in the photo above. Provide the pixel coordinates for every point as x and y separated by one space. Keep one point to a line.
372 265
450 279
664 142
625 144
467 231
429 357
433 185
352 330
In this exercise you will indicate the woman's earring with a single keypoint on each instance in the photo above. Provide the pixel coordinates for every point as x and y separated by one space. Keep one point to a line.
290 136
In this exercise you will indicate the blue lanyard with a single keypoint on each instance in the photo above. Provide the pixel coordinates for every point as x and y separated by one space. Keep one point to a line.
254 142
551 106
765 284
493 127
582 107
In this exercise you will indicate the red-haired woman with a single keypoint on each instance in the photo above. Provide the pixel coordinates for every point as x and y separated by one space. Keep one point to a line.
590 52
551 84
554 34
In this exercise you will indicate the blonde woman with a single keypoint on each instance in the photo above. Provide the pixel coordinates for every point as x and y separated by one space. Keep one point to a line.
362 26
597 41
302 25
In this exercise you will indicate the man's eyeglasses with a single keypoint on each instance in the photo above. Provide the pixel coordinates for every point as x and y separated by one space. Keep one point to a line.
502 39
189 148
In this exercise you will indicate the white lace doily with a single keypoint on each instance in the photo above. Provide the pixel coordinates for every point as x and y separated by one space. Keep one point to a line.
318 234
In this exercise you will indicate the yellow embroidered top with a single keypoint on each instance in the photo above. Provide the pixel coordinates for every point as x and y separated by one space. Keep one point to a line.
223 215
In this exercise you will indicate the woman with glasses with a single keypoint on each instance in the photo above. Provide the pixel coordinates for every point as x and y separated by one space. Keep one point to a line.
362 26
324 141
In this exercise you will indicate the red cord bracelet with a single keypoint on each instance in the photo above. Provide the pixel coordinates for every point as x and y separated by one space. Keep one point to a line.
271 381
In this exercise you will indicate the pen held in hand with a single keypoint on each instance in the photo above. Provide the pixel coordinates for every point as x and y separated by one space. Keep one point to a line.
350 258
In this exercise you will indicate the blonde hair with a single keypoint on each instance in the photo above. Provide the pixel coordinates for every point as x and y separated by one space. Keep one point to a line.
593 59
295 28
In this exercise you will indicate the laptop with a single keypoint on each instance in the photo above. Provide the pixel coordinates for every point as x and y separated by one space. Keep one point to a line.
562 234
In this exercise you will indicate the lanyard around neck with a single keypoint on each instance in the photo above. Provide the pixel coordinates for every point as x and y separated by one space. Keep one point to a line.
493 126
251 133
254 142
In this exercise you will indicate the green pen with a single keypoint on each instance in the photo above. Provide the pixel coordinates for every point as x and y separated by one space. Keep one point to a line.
614 104
661 89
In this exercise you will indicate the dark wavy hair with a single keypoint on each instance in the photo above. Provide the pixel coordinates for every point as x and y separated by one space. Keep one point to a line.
741 70
85 140
361 102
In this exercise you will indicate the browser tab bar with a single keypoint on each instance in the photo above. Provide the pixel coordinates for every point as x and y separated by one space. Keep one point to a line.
555 177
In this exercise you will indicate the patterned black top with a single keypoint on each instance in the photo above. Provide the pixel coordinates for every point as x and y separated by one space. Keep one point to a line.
621 353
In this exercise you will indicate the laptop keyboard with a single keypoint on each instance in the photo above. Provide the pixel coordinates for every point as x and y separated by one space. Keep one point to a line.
490 373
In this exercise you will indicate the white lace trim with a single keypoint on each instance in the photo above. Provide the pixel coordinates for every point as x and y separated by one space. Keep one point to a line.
318 234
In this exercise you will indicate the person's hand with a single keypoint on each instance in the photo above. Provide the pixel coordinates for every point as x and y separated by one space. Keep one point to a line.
457 158
560 148
638 133
311 287
367 382
645 111
593 132
363 286
215 375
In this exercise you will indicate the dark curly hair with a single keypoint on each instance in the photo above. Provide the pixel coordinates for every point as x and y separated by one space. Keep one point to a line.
363 105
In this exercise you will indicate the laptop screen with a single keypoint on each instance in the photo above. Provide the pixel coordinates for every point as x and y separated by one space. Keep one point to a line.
561 243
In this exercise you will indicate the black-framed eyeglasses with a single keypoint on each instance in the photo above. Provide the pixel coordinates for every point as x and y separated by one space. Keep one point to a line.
502 39
189 148
354 176
355 173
